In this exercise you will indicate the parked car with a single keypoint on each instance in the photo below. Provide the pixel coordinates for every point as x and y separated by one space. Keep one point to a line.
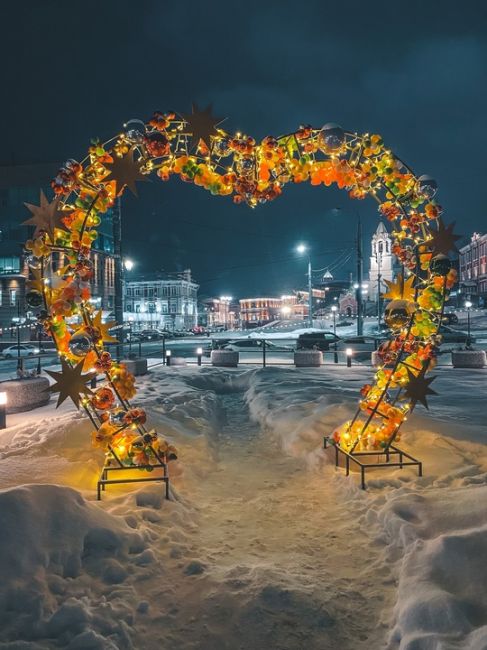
449 335
344 323
323 341
149 335
450 319
23 350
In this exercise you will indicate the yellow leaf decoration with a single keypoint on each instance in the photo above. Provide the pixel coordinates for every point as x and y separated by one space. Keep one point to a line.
400 289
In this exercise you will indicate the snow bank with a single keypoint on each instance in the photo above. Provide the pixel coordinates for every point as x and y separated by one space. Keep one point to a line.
439 541
60 557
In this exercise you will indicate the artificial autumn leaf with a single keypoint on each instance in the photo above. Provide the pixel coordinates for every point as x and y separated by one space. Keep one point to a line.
103 328
400 289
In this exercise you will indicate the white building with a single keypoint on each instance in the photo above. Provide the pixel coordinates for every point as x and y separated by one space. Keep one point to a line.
383 264
169 303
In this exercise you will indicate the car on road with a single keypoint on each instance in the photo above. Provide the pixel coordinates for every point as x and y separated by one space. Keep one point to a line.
149 335
450 319
323 341
23 350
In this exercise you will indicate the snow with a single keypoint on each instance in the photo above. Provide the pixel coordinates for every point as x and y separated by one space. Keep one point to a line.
264 544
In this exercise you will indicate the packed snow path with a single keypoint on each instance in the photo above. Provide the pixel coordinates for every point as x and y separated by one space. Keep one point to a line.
264 546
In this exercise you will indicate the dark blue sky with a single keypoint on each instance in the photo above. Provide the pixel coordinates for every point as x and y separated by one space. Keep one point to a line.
415 72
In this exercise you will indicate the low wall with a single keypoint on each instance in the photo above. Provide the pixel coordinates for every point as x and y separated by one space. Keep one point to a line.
224 358
26 394
468 358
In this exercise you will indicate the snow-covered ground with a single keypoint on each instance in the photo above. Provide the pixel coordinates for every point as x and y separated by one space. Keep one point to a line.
263 545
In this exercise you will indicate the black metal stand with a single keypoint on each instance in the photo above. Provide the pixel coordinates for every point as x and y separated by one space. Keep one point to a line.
160 464
389 457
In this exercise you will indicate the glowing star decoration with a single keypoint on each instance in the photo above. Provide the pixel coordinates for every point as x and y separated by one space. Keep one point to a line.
417 388
125 171
400 289
443 239
46 217
201 125
70 382
103 329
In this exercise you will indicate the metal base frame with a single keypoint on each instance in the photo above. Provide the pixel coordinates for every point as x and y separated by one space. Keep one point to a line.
389 455
104 479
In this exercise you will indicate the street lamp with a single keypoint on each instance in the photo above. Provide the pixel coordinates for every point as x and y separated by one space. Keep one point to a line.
301 249
349 353
128 264
199 354
334 312
468 305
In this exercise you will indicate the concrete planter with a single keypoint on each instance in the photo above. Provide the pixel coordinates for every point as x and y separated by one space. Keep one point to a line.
308 358
178 361
224 358
468 358
26 394
136 366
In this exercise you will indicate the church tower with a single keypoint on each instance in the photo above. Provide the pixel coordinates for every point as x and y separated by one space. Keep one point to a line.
382 262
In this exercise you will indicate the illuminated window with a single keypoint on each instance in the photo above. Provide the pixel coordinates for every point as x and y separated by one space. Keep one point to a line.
13 297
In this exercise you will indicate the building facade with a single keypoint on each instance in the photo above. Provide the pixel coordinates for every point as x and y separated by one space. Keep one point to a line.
219 313
162 303
383 264
473 269
21 184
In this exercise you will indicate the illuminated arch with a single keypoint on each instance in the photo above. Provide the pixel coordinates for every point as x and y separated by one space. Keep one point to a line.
194 148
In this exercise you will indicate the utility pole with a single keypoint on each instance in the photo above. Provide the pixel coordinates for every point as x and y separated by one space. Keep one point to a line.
310 295
358 295
379 279
117 249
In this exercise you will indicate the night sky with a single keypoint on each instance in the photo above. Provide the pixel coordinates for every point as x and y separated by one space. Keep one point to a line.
415 72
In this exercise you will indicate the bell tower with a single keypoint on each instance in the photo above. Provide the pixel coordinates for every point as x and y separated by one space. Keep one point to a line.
382 262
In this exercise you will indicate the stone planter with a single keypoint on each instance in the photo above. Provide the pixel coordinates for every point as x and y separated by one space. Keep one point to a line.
308 358
468 358
26 394
178 361
136 366
224 358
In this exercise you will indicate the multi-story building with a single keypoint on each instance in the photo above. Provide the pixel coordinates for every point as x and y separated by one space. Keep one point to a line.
473 269
219 312
21 184
168 302
255 312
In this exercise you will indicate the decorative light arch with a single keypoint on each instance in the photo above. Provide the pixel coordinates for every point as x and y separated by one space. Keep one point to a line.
196 149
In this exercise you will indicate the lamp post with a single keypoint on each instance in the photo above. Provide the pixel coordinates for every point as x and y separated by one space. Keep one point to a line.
168 357
379 278
334 312
301 249
468 305
199 354
349 353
